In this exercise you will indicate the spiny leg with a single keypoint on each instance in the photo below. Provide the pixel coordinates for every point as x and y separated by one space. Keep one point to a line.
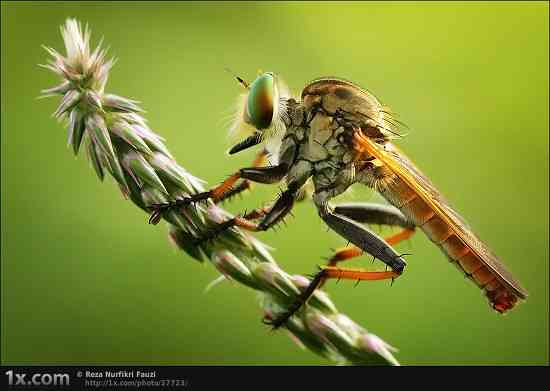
269 216
363 240
370 213
326 273
270 174
350 252
398 237
245 221
246 184
344 254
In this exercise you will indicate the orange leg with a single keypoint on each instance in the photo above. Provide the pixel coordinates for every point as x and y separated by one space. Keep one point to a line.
404 234
246 222
333 272
356 274
350 252
326 273
218 192
345 253
226 189
270 174
246 184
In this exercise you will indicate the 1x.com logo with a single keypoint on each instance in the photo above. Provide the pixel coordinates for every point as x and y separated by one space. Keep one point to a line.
37 379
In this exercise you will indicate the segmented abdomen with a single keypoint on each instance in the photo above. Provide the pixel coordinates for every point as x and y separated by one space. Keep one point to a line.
460 253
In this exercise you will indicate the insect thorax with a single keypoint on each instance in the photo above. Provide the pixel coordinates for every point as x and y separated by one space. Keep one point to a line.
323 151
322 128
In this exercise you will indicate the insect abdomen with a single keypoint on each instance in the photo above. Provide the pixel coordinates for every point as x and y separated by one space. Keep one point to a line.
459 253
468 262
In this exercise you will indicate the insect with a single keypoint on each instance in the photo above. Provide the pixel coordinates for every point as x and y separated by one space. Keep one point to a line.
336 135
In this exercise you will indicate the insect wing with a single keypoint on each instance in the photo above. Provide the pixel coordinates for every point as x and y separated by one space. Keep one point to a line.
401 166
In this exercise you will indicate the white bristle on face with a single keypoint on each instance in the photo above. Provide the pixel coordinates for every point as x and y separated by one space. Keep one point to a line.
239 127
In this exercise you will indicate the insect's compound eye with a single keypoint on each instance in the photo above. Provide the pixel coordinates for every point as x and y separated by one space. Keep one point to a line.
259 106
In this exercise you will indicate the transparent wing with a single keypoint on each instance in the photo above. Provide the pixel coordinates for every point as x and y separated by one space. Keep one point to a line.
401 166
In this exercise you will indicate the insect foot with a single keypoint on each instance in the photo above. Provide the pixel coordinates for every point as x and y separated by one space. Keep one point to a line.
214 232
399 265
158 210
301 299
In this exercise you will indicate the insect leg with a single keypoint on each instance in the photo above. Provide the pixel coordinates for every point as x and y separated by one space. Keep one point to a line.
282 206
364 239
250 141
270 174
370 213
245 184
327 272
244 221
270 216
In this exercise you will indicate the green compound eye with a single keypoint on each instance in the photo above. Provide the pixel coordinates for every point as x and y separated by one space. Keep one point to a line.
259 107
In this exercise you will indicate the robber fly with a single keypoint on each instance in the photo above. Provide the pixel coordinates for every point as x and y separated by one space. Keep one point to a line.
338 134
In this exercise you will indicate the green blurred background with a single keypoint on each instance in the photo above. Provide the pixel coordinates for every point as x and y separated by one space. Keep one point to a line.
86 280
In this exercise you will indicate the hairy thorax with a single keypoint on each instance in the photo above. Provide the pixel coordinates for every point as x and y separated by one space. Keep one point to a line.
320 139
323 152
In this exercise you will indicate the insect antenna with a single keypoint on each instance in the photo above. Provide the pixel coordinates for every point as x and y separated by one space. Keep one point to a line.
241 81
